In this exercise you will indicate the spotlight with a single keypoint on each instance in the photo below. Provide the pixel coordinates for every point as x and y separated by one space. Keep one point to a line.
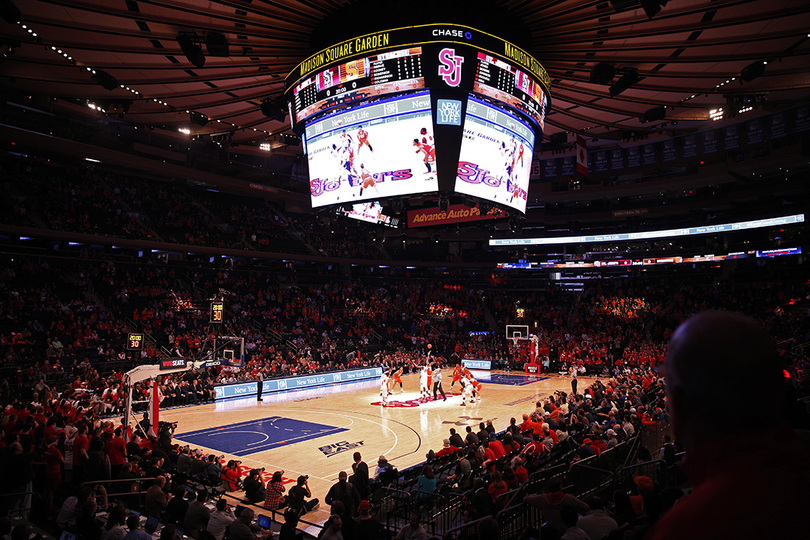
627 80
753 71
105 79
602 73
193 52
444 204
483 209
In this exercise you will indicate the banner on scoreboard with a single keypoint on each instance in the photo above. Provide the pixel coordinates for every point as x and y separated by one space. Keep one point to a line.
456 213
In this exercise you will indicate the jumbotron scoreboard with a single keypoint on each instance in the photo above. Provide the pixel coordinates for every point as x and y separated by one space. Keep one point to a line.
413 110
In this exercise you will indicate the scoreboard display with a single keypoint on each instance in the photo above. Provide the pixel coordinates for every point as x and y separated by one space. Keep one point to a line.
381 149
495 157
354 103
504 82
382 74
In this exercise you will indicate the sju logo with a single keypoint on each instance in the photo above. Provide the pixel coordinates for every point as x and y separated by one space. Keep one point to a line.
450 67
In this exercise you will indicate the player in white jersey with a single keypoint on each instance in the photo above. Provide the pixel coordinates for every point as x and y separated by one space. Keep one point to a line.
467 392
424 389
384 388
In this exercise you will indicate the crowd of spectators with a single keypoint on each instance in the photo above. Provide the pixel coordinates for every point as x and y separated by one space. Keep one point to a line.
63 324
84 198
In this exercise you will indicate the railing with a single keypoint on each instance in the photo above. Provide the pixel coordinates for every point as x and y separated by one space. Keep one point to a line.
395 508
438 512
647 468
466 530
135 493
515 520
25 497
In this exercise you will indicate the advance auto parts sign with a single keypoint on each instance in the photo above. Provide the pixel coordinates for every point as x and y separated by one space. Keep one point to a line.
456 213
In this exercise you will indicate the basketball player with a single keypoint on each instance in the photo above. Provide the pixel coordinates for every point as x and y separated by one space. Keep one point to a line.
429 377
345 160
476 395
515 191
507 164
362 139
424 389
384 388
398 380
426 139
466 392
465 372
428 151
456 375
367 180
520 153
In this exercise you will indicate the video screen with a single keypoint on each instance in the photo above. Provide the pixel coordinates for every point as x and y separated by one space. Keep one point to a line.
503 82
356 80
382 149
496 155
371 212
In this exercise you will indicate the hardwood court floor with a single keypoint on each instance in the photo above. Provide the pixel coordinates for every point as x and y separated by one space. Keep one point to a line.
315 431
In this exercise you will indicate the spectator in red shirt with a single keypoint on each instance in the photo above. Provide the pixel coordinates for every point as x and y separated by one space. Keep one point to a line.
447 449
497 487
520 471
534 448
496 446
117 452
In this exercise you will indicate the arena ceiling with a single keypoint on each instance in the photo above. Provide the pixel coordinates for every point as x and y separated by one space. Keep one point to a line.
689 56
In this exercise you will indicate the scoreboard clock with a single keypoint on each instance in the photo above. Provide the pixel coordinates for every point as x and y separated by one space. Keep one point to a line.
172 363
134 342
217 312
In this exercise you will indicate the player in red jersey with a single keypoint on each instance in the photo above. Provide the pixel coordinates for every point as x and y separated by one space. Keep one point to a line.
362 138
428 151
476 388
429 379
456 375
515 191
427 139
366 180
397 378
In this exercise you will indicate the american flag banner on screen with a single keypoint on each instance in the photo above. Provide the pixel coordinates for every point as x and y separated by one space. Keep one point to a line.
582 156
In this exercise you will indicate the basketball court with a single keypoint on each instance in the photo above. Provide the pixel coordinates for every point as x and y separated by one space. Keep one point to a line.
315 431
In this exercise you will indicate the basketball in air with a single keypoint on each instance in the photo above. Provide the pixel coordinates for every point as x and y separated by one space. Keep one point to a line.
430 346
